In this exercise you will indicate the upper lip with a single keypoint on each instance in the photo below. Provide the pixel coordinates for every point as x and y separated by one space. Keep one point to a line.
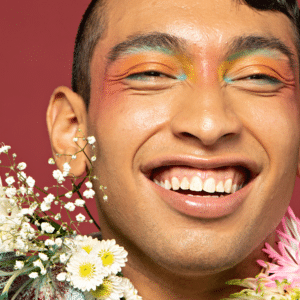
203 163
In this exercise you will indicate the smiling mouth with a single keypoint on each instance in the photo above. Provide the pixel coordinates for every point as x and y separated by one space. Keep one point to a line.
218 182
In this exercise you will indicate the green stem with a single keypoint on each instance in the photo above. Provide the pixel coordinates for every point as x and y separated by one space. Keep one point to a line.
88 212
13 277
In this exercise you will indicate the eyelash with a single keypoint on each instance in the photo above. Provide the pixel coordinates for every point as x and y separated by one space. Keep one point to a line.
263 78
147 75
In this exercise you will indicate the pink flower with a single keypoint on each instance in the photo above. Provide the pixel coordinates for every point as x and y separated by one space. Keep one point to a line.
286 263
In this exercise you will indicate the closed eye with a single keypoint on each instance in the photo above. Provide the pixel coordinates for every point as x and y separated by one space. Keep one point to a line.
148 75
262 79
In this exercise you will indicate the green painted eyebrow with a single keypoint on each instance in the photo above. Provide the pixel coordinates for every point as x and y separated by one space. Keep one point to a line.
170 44
249 45
153 41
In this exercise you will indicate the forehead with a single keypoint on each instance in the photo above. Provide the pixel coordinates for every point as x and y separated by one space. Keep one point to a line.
204 26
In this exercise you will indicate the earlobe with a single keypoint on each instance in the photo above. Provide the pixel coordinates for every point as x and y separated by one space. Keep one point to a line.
65 115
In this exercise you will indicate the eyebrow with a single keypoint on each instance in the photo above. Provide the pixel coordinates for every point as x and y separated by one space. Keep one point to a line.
243 44
168 43
152 41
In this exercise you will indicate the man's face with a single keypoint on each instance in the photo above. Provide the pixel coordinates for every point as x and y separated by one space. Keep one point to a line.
202 94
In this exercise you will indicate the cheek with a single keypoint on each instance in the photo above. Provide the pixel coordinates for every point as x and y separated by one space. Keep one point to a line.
123 121
274 123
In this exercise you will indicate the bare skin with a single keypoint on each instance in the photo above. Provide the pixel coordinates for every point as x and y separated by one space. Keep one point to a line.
205 107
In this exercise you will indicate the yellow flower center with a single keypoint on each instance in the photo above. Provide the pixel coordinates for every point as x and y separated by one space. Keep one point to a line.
107 258
87 248
103 290
86 270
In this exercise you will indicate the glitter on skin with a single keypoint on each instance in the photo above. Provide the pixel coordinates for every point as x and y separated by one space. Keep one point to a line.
185 62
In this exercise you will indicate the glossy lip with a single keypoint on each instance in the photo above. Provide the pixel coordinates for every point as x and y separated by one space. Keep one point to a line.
202 206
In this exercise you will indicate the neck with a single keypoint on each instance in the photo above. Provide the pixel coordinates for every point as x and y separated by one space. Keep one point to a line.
154 282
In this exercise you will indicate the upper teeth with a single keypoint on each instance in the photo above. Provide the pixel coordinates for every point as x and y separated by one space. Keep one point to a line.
197 184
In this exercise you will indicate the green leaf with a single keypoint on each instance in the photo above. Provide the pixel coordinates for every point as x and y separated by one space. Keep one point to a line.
4 296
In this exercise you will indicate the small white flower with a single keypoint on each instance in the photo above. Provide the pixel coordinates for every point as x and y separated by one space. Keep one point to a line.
23 190
89 185
105 197
43 256
47 227
75 139
80 218
91 140
66 167
43 271
74 156
58 175
10 180
33 275
22 166
19 265
51 161
61 276
21 176
50 197
69 195
70 206
45 206
58 242
38 263
93 158
63 258
4 149
49 242
89 193
57 216
30 181
79 202
10 192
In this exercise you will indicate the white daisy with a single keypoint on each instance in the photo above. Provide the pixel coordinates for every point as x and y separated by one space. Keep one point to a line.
130 293
110 289
86 271
112 255
87 243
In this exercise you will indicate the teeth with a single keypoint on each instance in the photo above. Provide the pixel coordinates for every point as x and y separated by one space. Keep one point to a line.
168 185
185 185
220 187
228 185
196 184
175 183
234 188
209 185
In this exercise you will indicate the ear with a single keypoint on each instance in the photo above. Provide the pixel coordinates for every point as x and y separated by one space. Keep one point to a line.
65 115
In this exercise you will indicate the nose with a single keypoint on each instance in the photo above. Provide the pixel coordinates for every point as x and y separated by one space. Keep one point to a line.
206 116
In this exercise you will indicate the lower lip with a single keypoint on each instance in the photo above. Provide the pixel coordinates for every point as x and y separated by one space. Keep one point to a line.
204 207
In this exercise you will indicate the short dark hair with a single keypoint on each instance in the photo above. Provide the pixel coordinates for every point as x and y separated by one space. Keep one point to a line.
94 23
90 31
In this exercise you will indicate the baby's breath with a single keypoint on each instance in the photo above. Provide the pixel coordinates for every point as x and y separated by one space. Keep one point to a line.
42 240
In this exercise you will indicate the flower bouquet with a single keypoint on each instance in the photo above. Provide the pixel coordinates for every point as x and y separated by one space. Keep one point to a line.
280 279
42 256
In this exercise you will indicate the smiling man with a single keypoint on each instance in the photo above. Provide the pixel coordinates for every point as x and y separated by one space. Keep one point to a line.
195 108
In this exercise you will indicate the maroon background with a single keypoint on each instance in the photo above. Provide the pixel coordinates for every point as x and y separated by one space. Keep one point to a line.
36 45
